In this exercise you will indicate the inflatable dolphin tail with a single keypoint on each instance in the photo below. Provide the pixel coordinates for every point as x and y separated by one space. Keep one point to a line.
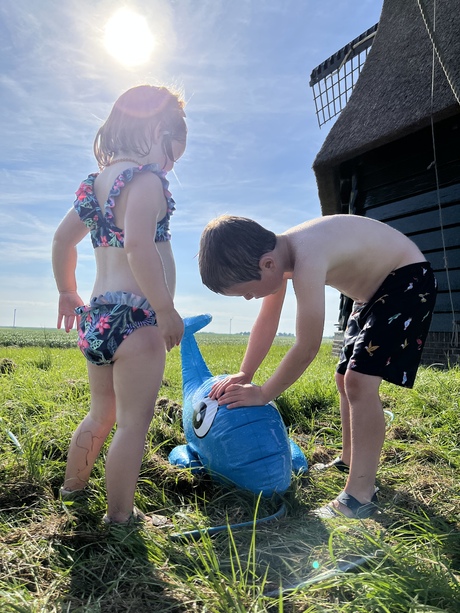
194 369
194 324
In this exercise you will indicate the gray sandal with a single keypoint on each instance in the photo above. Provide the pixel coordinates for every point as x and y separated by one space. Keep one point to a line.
360 510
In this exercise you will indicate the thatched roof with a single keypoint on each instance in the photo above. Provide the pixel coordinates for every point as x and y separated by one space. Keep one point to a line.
392 97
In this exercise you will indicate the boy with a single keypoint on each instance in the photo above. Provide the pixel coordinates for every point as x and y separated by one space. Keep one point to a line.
394 292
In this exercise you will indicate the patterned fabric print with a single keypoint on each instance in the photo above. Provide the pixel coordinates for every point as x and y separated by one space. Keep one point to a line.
104 233
103 328
385 337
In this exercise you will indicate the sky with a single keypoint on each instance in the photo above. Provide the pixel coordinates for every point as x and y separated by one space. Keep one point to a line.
243 67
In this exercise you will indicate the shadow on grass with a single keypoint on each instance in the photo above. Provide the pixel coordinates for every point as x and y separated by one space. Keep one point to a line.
116 573
62 557
413 554
115 569
411 520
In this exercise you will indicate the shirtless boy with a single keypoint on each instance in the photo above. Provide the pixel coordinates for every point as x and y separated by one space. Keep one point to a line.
394 292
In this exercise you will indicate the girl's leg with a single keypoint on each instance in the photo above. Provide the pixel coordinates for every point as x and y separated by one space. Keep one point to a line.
137 375
90 435
345 419
367 435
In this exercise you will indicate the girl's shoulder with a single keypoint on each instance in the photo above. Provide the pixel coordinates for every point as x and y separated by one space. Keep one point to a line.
128 174
146 172
132 171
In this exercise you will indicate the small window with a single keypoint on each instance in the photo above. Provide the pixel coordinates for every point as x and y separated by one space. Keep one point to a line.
334 79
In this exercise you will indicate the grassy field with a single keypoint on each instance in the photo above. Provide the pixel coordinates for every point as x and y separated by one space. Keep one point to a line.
57 558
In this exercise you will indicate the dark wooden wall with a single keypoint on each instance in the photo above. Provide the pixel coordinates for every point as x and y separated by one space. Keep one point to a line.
396 184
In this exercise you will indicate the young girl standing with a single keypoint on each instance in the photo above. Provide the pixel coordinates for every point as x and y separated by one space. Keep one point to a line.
131 321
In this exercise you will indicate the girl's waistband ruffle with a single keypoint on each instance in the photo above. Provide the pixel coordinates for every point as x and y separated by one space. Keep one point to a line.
124 298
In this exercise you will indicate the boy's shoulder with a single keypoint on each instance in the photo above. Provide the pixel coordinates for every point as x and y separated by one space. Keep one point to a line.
314 226
336 231
337 220
313 231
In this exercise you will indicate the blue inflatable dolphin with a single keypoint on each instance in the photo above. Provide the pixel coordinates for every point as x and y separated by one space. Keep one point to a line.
246 447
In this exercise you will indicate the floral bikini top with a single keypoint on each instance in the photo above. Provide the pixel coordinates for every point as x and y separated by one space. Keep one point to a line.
100 221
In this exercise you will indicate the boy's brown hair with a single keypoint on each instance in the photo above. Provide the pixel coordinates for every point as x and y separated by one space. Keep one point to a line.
230 251
133 120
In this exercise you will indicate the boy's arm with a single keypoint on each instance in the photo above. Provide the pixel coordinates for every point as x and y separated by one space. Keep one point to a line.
64 260
309 333
260 340
263 331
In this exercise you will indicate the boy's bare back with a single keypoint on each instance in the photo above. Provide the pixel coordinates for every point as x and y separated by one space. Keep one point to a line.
350 253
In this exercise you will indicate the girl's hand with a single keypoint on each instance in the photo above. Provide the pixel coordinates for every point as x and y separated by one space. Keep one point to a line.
68 302
171 327
247 395
220 387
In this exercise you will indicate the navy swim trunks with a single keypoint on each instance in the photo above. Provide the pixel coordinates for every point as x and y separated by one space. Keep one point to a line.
107 321
385 336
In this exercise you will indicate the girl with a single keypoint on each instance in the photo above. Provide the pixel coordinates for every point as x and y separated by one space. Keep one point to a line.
131 321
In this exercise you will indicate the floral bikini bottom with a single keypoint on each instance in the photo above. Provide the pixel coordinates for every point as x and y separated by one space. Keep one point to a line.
107 321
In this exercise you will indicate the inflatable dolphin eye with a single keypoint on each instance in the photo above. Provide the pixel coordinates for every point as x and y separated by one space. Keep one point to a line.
204 413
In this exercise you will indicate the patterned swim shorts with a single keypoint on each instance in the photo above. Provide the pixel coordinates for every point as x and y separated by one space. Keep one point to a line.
107 321
385 336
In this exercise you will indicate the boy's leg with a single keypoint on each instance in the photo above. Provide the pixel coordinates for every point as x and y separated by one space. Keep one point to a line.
345 419
138 371
367 436
90 435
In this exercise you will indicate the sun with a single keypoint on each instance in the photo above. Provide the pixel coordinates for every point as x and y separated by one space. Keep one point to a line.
128 38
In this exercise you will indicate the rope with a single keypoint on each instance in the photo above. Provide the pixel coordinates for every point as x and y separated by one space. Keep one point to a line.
432 35
431 30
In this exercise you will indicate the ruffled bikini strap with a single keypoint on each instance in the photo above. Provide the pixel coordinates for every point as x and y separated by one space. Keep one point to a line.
127 175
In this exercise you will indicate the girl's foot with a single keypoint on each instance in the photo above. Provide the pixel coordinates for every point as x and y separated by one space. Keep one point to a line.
70 495
137 519
337 463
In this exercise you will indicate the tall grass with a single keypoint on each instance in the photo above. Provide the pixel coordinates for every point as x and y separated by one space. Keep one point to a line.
57 557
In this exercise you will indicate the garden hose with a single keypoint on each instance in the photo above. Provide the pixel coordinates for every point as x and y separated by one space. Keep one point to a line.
196 535
11 436
389 416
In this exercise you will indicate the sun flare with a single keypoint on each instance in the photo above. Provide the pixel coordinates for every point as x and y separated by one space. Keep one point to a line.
128 38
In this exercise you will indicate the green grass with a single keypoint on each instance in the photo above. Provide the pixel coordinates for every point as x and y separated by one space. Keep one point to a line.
57 557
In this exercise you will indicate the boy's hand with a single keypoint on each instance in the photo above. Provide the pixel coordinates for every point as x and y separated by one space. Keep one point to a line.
171 327
220 387
248 395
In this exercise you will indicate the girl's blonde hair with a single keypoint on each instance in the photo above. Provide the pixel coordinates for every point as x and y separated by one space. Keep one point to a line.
133 120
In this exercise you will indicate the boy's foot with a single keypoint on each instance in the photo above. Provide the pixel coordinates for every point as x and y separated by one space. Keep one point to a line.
348 506
137 519
338 463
